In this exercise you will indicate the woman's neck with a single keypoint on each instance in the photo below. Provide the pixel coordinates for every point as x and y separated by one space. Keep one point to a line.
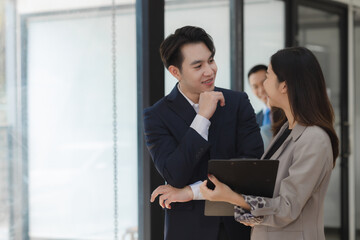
290 118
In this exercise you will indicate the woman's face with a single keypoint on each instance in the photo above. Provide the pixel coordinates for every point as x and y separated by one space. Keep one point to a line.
274 89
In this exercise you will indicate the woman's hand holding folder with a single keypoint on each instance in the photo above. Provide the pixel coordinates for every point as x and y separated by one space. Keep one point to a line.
222 193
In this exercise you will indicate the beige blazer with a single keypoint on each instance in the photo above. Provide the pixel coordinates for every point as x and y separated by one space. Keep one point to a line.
296 210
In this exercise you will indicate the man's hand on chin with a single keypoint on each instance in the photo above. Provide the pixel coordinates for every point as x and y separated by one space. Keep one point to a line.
208 102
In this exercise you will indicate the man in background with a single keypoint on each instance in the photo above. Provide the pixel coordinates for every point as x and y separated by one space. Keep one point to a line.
256 77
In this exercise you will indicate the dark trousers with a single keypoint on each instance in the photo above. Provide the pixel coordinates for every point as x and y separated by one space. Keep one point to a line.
222 233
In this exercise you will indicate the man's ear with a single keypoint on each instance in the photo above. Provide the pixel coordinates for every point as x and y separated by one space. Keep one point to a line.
175 72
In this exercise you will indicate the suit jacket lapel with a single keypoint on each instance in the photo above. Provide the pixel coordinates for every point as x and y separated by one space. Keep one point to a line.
184 110
275 139
294 136
216 123
181 106
281 148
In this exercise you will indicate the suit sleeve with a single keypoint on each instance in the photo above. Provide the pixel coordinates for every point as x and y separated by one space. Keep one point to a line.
249 141
312 162
175 161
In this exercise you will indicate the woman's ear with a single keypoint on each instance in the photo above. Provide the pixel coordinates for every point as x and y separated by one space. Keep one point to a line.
283 87
175 72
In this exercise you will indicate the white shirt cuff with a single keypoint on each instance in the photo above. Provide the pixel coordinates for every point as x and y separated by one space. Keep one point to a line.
195 187
201 125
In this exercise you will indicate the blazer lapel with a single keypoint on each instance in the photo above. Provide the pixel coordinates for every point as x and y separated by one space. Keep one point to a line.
177 102
216 123
294 136
181 106
275 139
281 148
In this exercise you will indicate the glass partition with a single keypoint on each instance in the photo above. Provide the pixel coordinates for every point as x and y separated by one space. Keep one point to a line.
319 31
264 34
4 184
5 145
59 119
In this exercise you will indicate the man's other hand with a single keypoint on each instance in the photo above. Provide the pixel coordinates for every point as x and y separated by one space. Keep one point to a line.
169 194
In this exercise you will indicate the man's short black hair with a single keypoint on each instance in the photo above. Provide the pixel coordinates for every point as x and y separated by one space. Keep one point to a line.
170 48
257 68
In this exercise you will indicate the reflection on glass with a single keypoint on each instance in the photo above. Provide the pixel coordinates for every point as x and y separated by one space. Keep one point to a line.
214 18
263 36
4 181
68 95
319 31
357 120
4 160
32 6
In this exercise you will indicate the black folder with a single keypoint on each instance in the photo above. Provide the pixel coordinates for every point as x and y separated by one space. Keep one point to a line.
245 176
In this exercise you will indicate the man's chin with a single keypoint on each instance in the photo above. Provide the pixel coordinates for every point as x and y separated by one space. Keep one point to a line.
211 88
265 101
208 88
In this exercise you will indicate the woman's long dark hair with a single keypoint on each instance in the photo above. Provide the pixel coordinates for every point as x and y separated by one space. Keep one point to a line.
306 90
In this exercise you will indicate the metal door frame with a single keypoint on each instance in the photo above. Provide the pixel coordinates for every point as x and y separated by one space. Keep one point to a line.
291 32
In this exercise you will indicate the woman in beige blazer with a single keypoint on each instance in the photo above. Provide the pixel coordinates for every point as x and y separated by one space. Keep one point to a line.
306 146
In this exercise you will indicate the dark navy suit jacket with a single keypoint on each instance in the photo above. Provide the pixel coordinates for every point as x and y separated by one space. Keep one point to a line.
181 156
260 118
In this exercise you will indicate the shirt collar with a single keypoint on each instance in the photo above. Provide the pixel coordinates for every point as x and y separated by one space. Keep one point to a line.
265 109
191 102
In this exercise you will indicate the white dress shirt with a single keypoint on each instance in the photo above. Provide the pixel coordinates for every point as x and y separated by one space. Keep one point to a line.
201 125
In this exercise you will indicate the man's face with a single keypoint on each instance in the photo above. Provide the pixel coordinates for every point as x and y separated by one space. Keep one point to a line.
256 81
198 70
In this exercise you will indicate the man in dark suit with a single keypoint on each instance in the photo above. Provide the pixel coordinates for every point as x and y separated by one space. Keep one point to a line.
197 122
256 77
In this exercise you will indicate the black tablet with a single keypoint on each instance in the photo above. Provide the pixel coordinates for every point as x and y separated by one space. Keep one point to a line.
246 176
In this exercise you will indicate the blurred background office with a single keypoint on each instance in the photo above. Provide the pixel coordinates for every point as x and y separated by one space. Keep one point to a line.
76 74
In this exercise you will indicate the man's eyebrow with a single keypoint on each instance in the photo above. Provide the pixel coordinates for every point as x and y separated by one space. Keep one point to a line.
196 62
200 61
